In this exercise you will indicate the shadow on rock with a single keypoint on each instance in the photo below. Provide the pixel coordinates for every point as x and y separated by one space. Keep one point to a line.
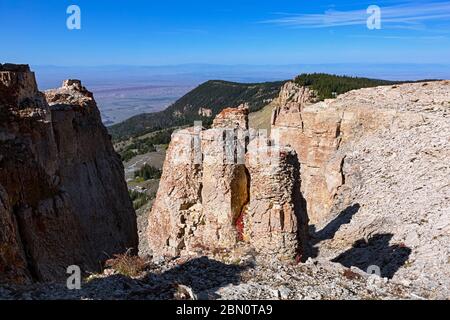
345 217
329 231
196 279
376 252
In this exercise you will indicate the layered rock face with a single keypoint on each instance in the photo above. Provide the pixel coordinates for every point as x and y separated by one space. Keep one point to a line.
91 171
375 175
317 132
63 197
207 199
176 213
276 219
290 103
224 187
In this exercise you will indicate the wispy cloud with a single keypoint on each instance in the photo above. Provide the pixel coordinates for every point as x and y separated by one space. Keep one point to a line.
431 38
409 16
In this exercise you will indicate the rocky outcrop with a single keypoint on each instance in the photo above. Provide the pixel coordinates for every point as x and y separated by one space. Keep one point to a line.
317 132
232 118
224 185
276 220
291 101
205 112
207 199
91 171
375 175
63 198
176 214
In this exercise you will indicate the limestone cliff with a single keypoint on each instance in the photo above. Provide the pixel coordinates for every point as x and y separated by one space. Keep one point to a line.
63 198
317 131
215 195
375 176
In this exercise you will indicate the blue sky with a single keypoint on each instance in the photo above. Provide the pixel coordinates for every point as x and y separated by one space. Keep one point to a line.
147 32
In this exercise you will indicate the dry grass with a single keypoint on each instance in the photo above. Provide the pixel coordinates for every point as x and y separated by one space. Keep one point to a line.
350 275
127 264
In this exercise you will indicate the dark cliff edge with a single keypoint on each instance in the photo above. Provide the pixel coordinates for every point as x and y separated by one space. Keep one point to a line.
63 196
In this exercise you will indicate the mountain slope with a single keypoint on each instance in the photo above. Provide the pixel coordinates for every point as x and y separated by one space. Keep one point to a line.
202 103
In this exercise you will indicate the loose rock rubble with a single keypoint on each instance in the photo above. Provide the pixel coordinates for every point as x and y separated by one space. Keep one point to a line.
202 278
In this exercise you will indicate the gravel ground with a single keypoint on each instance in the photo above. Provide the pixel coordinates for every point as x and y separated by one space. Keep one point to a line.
199 278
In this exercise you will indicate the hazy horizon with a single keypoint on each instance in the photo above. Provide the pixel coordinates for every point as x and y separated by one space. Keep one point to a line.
140 56
124 91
